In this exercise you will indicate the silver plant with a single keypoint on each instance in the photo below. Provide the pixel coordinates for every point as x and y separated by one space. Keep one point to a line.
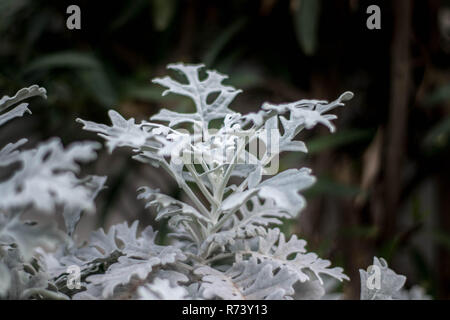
225 240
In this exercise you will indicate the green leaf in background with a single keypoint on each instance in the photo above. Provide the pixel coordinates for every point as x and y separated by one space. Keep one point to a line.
38 25
389 248
418 213
9 10
131 9
89 69
326 186
439 95
340 138
438 135
306 23
421 266
221 41
246 78
442 238
98 85
162 13
153 95
145 93
360 231
66 59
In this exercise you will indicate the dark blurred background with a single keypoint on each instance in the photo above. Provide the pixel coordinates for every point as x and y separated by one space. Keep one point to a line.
383 178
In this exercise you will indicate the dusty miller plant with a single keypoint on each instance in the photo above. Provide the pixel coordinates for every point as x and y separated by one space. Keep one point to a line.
225 241
41 179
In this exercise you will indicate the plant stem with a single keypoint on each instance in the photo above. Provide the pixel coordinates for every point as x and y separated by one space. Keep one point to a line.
219 257
201 185
186 189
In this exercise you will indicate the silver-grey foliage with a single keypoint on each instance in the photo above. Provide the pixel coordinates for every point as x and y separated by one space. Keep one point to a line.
44 178
225 241
390 286
231 248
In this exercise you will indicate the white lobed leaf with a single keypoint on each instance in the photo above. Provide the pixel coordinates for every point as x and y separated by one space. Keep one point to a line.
121 273
28 236
5 279
24 280
102 250
283 189
168 207
292 255
72 216
121 133
150 142
285 141
391 283
161 289
195 291
198 90
309 290
18 111
101 246
140 255
22 94
247 280
9 153
47 177
174 277
25 286
415 293
308 113
251 221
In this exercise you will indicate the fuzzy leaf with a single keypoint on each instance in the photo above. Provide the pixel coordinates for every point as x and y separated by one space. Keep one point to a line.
390 282
28 236
309 290
174 277
161 289
292 255
247 280
47 177
22 94
308 113
282 189
140 256
5 280
286 141
198 90
26 282
18 111
168 207
9 153
72 216
415 293
121 133
151 142
251 222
